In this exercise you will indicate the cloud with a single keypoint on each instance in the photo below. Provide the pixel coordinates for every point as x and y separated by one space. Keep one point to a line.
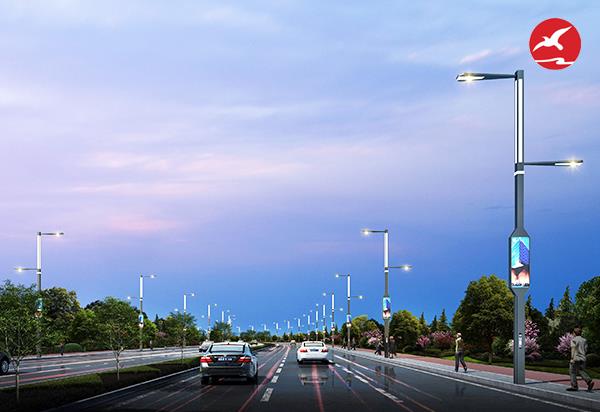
140 224
489 53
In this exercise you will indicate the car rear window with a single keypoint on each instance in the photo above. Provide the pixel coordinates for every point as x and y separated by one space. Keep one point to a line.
227 348
314 344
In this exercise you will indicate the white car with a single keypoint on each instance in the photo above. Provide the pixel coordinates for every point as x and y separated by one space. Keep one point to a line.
312 351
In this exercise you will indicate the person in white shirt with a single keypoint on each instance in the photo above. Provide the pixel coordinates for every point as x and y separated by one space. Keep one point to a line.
577 364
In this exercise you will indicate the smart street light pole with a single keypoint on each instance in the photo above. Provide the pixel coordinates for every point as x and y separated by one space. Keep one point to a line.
38 270
349 296
332 316
185 295
141 315
519 241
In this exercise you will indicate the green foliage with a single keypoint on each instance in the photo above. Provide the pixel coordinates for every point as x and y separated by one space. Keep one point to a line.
404 326
60 308
423 328
221 331
550 312
433 327
485 313
442 324
567 318
84 329
587 309
73 347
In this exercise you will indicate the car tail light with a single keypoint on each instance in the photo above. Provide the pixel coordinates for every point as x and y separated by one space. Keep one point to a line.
206 359
303 350
244 359
325 350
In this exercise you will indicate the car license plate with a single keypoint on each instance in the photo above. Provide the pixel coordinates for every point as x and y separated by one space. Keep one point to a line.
224 359
314 350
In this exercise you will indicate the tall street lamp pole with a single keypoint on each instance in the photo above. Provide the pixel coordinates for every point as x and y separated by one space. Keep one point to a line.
349 297
141 314
332 316
519 241
185 295
38 270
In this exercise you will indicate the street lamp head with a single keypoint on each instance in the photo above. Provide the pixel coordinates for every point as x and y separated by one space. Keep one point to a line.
337 275
152 276
360 296
128 297
365 232
469 77
324 293
19 269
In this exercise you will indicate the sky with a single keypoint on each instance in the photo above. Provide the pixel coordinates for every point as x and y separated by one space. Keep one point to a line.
236 150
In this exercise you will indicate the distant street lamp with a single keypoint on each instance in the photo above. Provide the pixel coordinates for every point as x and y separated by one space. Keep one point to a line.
208 316
349 297
185 295
519 241
38 269
141 315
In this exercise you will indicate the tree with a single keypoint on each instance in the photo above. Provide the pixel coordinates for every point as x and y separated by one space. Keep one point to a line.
485 313
221 331
84 329
118 328
567 318
405 327
18 325
433 327
587 309
60 309
443 322
543 339
423 329
550 312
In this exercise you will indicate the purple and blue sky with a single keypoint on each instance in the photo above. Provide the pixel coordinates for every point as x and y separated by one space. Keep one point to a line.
236 149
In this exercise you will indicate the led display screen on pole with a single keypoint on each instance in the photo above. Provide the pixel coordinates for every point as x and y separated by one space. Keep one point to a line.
519 262
387 307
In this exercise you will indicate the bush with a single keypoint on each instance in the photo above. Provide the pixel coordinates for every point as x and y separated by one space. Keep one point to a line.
409 349
593 360
73 347
433 352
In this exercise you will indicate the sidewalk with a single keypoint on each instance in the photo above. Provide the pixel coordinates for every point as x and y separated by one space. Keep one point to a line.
540 384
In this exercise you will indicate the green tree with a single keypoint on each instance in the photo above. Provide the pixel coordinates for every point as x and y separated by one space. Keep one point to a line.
587 308
60 308
84 330
485 313
442 324
550 312
423 328
433 327
404 326
18 325
118 328
567 318
532 313
221 331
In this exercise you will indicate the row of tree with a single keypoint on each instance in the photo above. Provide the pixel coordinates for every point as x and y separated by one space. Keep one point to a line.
485 319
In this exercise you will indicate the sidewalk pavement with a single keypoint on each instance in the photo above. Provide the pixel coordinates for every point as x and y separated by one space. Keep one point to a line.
540 384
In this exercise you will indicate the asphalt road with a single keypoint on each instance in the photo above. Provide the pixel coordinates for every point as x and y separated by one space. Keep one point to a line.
350 384
56 367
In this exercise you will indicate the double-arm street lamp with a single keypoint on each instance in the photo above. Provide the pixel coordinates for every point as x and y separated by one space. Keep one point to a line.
387 301
185 296
141 315
38 270
349 297
208 316
518 243
332 294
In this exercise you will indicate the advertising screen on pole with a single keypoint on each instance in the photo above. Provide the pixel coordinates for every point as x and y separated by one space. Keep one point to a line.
387 307
519 262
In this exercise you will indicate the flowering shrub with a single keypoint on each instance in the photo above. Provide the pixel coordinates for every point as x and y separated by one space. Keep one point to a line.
423 342
564 344
532 348
442 339
373 337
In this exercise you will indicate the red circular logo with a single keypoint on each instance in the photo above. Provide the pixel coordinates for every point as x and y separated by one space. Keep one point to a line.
555 44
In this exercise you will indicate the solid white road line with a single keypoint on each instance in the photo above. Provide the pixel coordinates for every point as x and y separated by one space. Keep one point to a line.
267 395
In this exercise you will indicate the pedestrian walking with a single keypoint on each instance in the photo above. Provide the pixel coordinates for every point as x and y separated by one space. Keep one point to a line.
459 352
578 359
151 345
378 348
62 348
354 343
392 347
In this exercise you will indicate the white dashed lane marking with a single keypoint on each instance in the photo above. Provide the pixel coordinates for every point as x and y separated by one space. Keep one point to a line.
267 395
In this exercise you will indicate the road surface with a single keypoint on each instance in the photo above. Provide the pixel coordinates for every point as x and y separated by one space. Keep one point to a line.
350 384
56 367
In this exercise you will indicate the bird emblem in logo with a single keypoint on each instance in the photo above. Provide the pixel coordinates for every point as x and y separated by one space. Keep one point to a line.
555 44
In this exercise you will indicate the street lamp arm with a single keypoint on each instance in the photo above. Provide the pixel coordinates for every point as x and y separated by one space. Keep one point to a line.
557 163
470 77
20 269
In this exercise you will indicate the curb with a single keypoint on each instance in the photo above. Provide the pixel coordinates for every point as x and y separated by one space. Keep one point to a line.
564 398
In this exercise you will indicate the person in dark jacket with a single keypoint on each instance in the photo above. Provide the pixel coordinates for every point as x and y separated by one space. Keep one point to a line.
378 348
392 347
